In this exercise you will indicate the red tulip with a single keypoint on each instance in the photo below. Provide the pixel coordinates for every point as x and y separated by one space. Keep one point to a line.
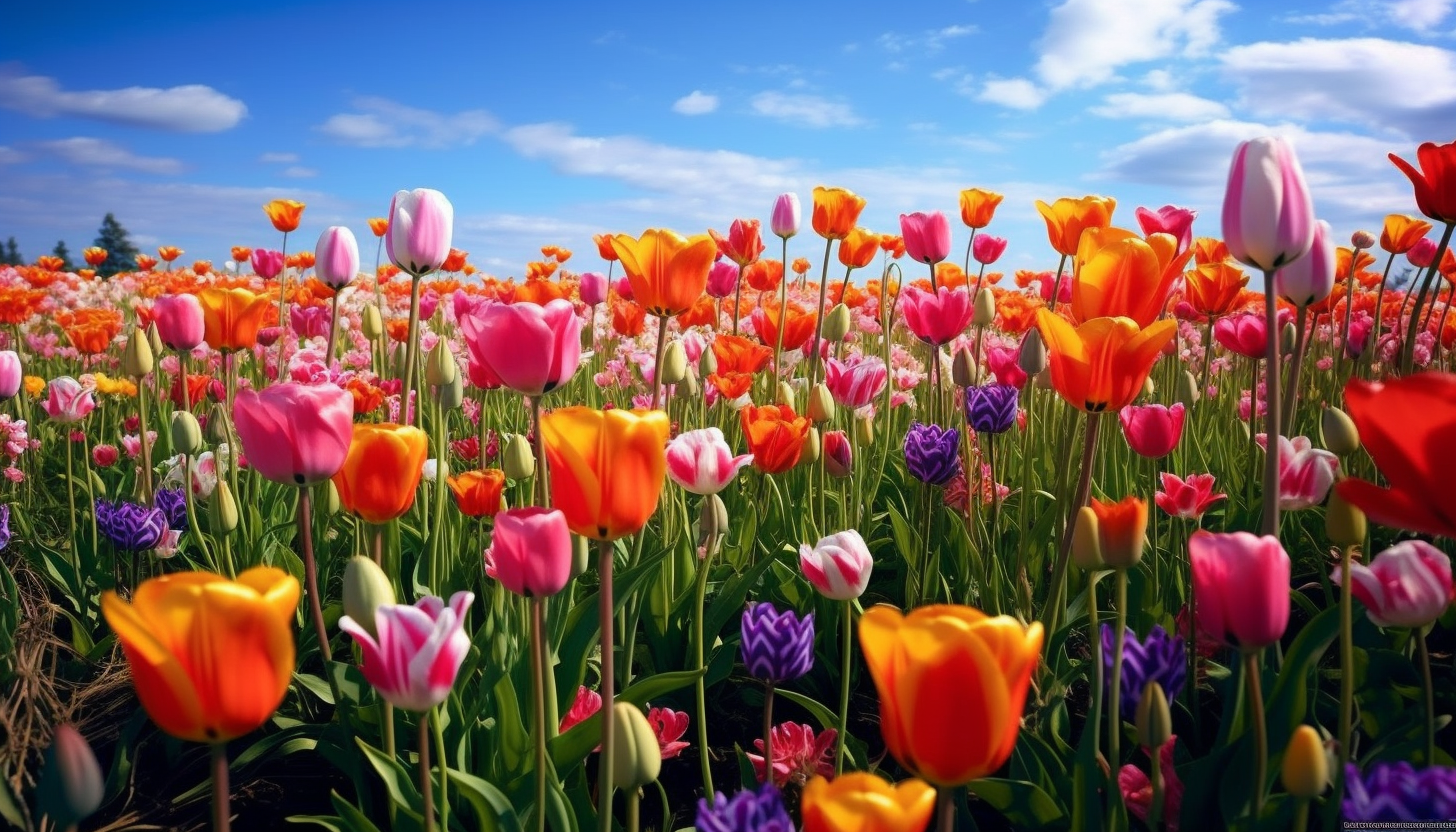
1153 430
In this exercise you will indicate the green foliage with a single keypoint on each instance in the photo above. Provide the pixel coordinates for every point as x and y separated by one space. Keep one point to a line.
121 252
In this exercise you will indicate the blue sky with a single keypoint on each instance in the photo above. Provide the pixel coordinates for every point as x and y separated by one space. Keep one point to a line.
544 123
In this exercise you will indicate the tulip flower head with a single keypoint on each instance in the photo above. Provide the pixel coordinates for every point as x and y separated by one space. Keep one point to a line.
1241 582
267 263
1435 182
1067 218
1407 585
838 566
862 801
295 434
336 257
743 244
701 462
932 453
836 212
12 375
1188 499
1158 658
421 223
382 470
1101 365
857 383
179 321
607 467
722 279
927 236
760 810
988 248
838 454
785 219
231 318
285 214
478 493
1170 219
1305 472
777 646
130 527
530 551
667 272
991 408
1311 278
532 349
1397 792
1152 431
68 401
413 661
1268 218
1401 232
978 207
938 317
798 754
775 436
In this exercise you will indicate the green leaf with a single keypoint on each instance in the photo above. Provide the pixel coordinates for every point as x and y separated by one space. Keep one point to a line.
331 822
515 743
1290 698
493 809
826 717
1025 805
397 781
730 600
351 814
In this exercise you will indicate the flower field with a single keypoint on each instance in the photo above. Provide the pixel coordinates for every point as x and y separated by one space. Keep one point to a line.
791 525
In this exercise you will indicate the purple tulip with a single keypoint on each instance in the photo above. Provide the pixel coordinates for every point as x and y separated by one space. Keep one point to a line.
336 257
1268 219
593 288
1311 278
991 408
130 527
267 263
173 503
1397 792
927 236
777 646
932 453
1158 658
760 810
5 533
420 226
785 220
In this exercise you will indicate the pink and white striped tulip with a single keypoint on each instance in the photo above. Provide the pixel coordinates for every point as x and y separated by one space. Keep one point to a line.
701 462
421 223
838 566
1407 585
68 400
1268 218
336 257
414 661
1306 473
1311 278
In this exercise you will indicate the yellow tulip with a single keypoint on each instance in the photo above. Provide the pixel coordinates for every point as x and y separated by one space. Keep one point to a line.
607 467
667 272
1101 365
862 802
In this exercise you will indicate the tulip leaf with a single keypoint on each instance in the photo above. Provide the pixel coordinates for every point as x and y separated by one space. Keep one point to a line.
397 781
906 540
351 814
515 743
730 600
826 717
572 747
1023 803
1290 698
329 822
10 808
493 810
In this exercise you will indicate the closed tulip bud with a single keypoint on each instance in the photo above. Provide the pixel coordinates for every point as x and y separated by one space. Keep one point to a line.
1148 387
1287 336
328 501
1187 391
688 389
366 588
636 754
864 430
98 486
707 364
1033 356
372 323
1344 523
71 784
812 444
983 308
674 364
1338 432
154 339
1122 531
712 519
964 370
217 429
137 359
452 395
581 552
836 323
440 366
1305 771
1086 548
1362 239
821 404
519 463
786 395
222 508
1154 723
186 433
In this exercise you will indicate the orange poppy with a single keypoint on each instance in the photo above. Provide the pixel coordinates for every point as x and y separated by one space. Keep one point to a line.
1102 364
382 471
836 211
231 318
478 493
1067 218
668 272
284 214
607 467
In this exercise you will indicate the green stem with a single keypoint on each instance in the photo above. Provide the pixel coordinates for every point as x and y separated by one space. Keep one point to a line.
768 699
634 809
425 789
1023 582
1057 284
434 715
333 330
1425 654
411 350
538 672
1155 809
847 624
1301 814
1347 656
1408 348
945 809
1271 411
282 306
1291 388
738 299
814 361
1094 714
783 301
1261 730
700 685
609 688
1114 701
1052 615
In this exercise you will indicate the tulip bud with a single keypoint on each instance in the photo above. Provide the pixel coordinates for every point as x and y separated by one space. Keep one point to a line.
786 394
1187 392
1043 380
452 395
1149 388
1033 357
674 364
217 426
688 388
1287 336
1086 547
964 370
983 308
518 462
328 502
137 359
1362 239
581 552
71 784
186 433
821 404
366 589
712 519
636 755
440 366
1305 771
222 508
154 339
1338 432
372 323
864 430
810 454
836 323
1154 723
98 486
433 469
707 364
1344 524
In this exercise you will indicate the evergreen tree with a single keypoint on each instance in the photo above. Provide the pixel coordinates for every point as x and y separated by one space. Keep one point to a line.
120 252
65 254
12 253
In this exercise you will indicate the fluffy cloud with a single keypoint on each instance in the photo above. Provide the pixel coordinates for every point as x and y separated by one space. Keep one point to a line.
1170 106
192 108
1016 93
1087 41
1420 15
380 122
99 153
804 110
695 103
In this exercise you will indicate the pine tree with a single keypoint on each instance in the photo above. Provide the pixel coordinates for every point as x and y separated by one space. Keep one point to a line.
12 253
65 254
120 252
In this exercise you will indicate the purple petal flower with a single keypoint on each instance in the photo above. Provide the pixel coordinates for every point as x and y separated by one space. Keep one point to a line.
130 527
991 408
777 647
173 503
932 453
1396 791
747 811
4 526
1158 658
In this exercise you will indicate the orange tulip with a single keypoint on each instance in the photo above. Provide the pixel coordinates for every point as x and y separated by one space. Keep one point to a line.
379 225
731 385
667 271
736 354
242 254
978 207
1343 254
478 493
863 802
836 210
284 214
382 471
90 331
50 263
893 245
1017 311
454 261
231 318
1117 274
703 313
952 684
210 658
796 322
858 248
85 274
775 436
1401 232
628 319
94 255
18 305
604 247
1101 365
801 265
1208 250
1122 529
169 253
1214 288
201 267
607 467
1067 218
145 262
764 275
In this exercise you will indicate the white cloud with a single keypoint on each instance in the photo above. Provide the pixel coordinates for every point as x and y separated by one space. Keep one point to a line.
278 158
1087 41
100 153
1168 106
1016 93
927 42
192 108
1420 15
299 172
381 122
695 103
10 156
804 110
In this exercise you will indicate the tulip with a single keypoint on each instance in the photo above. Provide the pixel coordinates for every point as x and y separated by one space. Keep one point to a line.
336 257
295 434
179 320
1241 582
952 683
1119 275
267 263
1171 220
838 566
532 349
420 226
978 207
1311 278
478 493
530 551
775 436
1435 182
145 262
413 661
68 400
94 255
231 318
760 810
667 272
1268 219
1067 218
285 214
856 385
1305 771
938 317
1244 334
607 467
743 244
130 527
1153 430
838 454
991 409
1407 585
1121 531
862 802
378 478
637 755
836 212
927 236
932 453
987 249
366 589
1401 233
1305 472
785 218
210 658
11 374
1102 364
1160 659
1214 288
593 288
1189 499
71 786
858 248
169 253
701 462
722 279
777 646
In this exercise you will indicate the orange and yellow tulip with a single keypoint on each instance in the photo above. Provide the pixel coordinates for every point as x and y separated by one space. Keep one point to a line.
242 254
210 658
1208 250
952 683
1118 274
231 318
836 210
1214 288
168 253
978 207
379 225
863 802
604 247
1401 232
94 255
1122 530
284 214
775 436
50 263
1067 218
382 471
478 493
607 467
858 248
1101 365
667 271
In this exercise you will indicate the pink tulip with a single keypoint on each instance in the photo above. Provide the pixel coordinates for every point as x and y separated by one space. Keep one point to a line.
838 566
419 650
939 317
722 279
927 236
532 349
295 434
1241 583
623 286
1170 219
336 257
593 288
1407 585
987 248
1244 334
530 551
481 375
1152 430
838 455
1268 219
420 226
1189 499
785 219
1311 278
857 383
1005 364
1422 254
669 726
68 400
267 263
179 321
701 462
1306 473
11 374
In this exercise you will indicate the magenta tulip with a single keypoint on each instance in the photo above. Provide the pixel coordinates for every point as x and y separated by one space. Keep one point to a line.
1422 254
419 650
1268 219
1188 499
937 318
1244 334
1241 582
336 257
856 383
593 288
987 248
530 551
838 454
68 400
927 236
295 434
1311 278
785 220
722 279
421 223
179 321
1170 219
701 462
12 375
838 566
532 349
1153 430
267 263
1407 585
